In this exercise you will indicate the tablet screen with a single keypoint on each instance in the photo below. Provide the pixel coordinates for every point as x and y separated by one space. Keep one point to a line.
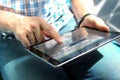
75 44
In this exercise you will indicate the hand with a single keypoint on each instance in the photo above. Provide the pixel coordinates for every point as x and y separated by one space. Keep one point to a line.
94 22
30 30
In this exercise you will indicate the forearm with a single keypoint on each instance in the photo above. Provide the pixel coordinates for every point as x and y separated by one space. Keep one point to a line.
6 19
82 7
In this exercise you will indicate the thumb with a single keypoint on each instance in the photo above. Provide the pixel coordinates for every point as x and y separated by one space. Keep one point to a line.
100 24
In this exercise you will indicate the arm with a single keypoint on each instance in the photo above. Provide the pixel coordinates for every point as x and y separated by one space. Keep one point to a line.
5 18
28 30
82 7
3 10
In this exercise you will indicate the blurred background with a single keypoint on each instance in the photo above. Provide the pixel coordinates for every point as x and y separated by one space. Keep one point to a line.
109 11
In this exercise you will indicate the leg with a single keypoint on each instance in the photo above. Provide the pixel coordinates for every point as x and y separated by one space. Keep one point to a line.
103 64
108 68
17 63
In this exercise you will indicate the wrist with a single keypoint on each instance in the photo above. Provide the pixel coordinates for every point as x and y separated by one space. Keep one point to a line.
13 18
82 18
5 19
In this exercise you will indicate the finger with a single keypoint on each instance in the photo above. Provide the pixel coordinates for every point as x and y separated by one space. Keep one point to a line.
95 22
100 24
47 35
23 39
103 27
31 37
39 36
51 31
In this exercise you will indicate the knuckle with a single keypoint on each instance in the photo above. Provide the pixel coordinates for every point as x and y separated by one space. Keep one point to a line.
21 33
48 30
25 43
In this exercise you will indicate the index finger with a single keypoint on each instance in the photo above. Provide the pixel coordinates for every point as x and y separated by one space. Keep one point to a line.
51 31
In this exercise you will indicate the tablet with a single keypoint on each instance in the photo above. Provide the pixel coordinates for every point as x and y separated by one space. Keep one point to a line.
75 44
